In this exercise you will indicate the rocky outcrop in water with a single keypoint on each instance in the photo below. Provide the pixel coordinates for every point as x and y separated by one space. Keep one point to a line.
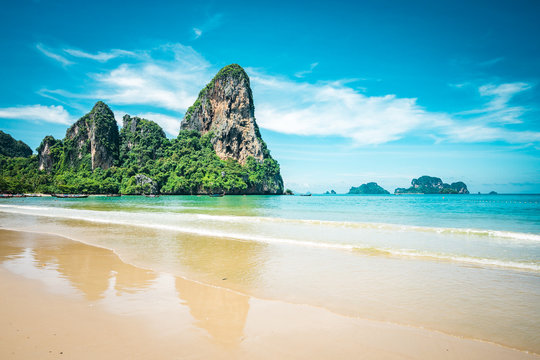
93 137
433 185
369 188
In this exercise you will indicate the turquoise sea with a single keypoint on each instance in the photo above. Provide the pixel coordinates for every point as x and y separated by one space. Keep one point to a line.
467 265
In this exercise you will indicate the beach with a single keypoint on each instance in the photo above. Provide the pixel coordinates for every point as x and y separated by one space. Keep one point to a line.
55 306
188 277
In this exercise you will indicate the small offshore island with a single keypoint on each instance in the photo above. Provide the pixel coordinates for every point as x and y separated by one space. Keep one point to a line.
433 185
371 188
219 150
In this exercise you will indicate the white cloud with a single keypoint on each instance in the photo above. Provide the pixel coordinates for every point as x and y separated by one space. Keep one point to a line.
498 110
472 133
99 56
167 84
502 94
301 74
491 61
53 55
333 109
38 113
211 23
170 77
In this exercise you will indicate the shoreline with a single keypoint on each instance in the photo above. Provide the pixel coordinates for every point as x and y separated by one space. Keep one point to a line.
422 337
524 237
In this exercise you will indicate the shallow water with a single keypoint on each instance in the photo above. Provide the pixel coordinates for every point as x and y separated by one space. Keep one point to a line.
465 265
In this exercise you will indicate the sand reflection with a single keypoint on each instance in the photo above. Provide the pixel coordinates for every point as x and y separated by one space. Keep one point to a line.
95 271
87 268
215 260
222 313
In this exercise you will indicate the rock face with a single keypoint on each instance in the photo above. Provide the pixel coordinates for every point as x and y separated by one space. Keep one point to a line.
369 188
147 185
48 153
433 185
94 135
13 148
225 107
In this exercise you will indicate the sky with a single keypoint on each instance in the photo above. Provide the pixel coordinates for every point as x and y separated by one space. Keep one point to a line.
345 92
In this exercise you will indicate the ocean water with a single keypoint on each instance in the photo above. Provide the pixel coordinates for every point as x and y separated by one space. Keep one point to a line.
464 265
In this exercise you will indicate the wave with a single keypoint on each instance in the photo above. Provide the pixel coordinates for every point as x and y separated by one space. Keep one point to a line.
371 251
152 221
528 237
58 212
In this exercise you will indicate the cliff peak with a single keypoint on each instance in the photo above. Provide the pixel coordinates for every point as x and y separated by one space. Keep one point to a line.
101 107
225 107
95 134
234 71
13 148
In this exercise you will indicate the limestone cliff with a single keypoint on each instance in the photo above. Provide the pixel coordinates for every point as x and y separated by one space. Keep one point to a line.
93 137
48 153
225 107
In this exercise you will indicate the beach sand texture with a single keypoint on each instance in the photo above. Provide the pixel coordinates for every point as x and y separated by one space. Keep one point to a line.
65 299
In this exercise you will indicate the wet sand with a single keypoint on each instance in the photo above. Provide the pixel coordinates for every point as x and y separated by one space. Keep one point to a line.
61 298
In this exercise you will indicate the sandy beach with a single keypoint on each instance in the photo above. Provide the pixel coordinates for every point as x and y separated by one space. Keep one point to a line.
64 298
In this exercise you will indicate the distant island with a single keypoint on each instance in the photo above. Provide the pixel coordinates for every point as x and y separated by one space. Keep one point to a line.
331 192
433 185
219 149
369 188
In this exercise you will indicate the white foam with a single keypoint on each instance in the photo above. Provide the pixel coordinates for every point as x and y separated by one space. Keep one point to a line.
154 221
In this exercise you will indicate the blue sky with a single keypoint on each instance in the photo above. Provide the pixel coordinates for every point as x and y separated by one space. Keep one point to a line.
345 93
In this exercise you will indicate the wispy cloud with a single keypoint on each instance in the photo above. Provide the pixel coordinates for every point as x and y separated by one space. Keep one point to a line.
334 109
168 78
498 109
99 56
301 74
37 113
168 84
211 23
491 62
53 55
197 32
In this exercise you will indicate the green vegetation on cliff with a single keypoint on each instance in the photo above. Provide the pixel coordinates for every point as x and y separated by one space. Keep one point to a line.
143 161
13 148
433 185
369 188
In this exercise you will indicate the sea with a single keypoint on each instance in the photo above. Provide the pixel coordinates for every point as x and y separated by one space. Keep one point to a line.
465 265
